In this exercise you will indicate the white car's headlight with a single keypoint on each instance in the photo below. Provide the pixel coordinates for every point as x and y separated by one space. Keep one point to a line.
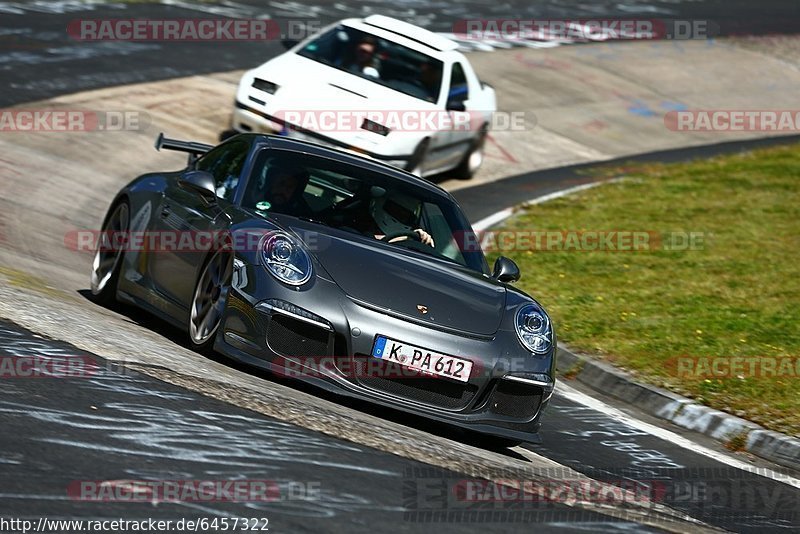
374 127
264 85
286 260
533 329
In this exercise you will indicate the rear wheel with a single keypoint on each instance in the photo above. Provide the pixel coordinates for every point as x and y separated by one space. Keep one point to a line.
473 158
108 255
209 298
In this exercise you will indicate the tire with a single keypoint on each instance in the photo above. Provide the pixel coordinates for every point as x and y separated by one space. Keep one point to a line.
227 134
414 165
209 299
473 158
108 256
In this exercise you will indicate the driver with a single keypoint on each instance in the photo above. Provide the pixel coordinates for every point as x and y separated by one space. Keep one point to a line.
397 215
286 184
365 60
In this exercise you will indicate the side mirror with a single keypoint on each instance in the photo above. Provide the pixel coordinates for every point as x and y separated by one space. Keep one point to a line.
201 182
288 44
455 105
505 270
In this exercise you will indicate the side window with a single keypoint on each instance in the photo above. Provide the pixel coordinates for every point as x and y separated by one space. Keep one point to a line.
459 90
279 184
328 46
434 222
225 163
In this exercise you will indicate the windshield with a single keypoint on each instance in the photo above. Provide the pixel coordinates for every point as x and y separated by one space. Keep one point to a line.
378 60
363 202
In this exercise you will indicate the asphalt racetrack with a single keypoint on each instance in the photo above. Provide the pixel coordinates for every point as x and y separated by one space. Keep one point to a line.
154 410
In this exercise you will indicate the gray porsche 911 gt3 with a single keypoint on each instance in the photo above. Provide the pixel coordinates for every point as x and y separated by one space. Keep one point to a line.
334 269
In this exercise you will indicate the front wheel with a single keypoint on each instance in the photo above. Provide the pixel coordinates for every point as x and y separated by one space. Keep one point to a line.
107 261
473 157
209 299
417 161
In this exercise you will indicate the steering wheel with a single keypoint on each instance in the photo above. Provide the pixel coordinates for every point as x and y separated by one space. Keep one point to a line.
412 235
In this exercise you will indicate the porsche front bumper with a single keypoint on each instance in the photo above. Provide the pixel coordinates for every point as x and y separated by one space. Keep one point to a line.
323 337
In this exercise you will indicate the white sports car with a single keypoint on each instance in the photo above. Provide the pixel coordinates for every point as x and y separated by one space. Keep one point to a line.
376 86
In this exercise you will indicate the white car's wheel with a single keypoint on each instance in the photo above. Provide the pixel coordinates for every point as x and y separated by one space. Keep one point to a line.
415 164
473 157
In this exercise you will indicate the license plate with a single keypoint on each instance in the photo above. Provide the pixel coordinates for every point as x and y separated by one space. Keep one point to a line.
422 359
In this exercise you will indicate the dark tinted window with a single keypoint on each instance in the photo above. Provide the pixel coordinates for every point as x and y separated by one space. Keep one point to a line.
378 60
225 163
361 201
459 90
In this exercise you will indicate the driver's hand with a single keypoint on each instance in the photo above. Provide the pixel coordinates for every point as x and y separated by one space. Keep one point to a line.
425 237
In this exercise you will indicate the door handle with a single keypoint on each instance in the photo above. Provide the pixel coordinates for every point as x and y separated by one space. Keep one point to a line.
165 212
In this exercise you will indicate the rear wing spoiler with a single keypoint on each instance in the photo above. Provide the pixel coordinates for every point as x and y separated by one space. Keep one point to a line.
194 149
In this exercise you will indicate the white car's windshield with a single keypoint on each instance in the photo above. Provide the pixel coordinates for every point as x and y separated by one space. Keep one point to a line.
379 60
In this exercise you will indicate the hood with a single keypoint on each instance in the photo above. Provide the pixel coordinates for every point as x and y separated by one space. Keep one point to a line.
396 281
309 91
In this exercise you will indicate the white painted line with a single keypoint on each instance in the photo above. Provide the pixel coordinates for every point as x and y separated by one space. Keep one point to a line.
500 216
574 395
469 44
498 44
538 44
493 219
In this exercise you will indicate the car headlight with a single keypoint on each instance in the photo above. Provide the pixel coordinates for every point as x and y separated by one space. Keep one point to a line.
374 127
286 260
264 85
533 329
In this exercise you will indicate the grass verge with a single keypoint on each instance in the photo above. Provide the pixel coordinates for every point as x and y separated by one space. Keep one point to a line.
674 309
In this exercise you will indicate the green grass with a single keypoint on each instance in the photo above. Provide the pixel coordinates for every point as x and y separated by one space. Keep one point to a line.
738 295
